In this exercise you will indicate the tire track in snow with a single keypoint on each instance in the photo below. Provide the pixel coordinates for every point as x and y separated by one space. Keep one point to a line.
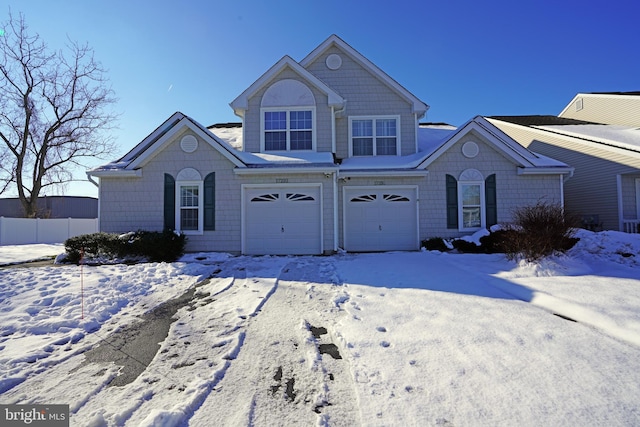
280 374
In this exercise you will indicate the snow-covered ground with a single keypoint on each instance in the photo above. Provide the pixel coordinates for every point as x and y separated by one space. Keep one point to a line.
418 338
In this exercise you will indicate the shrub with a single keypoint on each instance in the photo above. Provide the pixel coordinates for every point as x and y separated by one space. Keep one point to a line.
467 247
499 241
435 244
152 246
540 230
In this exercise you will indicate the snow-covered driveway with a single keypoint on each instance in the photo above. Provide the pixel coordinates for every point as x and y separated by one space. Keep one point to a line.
419 338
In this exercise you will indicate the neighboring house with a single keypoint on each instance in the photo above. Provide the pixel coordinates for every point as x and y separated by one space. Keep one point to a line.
53 207
329 155
611 108
597 134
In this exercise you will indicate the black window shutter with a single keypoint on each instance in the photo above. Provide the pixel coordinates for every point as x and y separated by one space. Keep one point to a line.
210 201
452 202
490 200
169 202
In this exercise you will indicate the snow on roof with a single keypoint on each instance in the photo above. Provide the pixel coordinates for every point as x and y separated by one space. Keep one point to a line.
619 136
231 133
430 137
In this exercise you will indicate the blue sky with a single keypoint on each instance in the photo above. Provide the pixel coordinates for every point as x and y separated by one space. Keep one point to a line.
461 57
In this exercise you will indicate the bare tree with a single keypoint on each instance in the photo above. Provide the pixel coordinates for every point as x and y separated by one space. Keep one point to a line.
54 112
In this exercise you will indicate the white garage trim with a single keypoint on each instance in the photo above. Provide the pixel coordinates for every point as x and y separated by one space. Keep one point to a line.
299 209
380 218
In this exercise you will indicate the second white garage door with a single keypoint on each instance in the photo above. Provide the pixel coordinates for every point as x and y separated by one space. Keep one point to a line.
380 219
282 220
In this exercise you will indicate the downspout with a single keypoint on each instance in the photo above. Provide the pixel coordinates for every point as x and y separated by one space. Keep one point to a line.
91 180
620 207
333 130
562 191
335 211
416 131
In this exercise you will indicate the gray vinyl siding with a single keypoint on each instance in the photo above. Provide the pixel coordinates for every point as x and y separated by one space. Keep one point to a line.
137 203
593 189
366 95
129 204
251 123
512 190
611 109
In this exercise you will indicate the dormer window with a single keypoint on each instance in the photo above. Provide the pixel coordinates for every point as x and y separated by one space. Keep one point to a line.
374 136
287 117
286 130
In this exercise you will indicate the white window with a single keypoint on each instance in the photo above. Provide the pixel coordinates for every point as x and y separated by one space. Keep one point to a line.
374 136
189 202
287 129
471 205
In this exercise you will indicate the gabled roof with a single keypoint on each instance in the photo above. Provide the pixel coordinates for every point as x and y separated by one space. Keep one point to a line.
622 139
527 161
241 103
130 163
540 120
419 107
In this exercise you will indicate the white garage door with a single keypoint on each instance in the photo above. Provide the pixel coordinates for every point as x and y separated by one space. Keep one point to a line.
380 219
282 221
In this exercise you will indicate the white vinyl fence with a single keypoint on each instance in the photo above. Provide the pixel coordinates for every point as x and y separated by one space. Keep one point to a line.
23 231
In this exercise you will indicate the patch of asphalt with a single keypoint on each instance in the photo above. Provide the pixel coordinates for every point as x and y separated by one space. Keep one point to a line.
134 346
48 262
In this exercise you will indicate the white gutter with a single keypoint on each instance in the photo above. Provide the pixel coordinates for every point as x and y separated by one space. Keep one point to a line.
116 173
545 171
333 130
383 173
283 170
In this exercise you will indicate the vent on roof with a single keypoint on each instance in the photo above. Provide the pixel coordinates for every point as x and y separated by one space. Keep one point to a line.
579 104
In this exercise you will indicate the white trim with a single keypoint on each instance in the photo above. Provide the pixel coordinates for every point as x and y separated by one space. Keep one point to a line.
283 170
358 188
483 205
241 103
374 118
637 180
168 137
243 192
418 107
288 130
116 173
389 173
178 206
620 203
546 171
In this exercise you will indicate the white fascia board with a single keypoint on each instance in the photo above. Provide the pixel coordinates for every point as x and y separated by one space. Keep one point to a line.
133 153
418 107
546 171
241 103
382 173
116 173
184 122
481 126
625 151
283 170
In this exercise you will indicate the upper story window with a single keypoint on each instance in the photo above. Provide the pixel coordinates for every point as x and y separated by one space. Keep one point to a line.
285 130
374 136
287 117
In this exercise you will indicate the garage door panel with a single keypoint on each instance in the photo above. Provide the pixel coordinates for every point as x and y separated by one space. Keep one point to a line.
283 221
381 219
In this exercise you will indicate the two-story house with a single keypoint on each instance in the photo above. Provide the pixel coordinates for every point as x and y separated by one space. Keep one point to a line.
330 154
